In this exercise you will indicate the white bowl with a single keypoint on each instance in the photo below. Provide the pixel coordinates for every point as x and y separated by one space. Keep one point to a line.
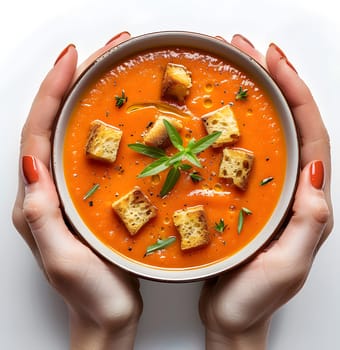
217 48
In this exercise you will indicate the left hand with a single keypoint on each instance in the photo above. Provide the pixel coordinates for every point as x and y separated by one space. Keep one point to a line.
236 307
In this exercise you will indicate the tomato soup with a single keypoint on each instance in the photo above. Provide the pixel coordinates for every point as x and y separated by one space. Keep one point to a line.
234 216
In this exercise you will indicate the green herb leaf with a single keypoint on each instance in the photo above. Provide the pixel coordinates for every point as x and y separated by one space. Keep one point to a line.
242 94
196 177
121 100
150 151
184 167
175 161
192 159
174 136
266 180
220 226
155 167
160 244
241 218
91 191
170 181
204 142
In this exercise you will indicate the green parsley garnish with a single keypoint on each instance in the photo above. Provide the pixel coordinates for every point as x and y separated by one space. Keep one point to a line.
121 100
242 94
241 218
220 226
174 162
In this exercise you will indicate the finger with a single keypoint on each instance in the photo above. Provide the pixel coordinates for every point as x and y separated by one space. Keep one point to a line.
36 133
247 47
311 212
37 129
41 210
314 137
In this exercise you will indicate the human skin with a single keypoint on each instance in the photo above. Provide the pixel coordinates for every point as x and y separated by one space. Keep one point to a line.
104 302
236 308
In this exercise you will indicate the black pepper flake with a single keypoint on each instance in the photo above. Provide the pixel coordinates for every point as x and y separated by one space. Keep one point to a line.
130 249
90 203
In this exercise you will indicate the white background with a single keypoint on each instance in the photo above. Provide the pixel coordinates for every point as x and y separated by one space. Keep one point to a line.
32 315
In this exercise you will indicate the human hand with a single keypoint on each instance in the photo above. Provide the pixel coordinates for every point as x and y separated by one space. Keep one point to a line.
236 307
104 302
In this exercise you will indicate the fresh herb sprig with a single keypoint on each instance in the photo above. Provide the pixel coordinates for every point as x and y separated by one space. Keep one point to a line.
242 94
160 244
121 100
241 218
174 162
220 226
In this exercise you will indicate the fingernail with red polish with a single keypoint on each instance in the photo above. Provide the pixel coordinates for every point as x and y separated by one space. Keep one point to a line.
283 56
63 53
125 33
29 170
317 174
244 39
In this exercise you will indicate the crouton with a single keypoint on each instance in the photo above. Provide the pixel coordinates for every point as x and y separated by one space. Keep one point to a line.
157 135
103 141
192 226
236 165
176 82
135 210
223 120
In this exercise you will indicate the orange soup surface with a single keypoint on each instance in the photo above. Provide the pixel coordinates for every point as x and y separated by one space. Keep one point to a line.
215 83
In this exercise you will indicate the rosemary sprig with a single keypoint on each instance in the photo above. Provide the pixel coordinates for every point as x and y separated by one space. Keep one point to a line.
241 94
160 244
241 218
91 191
174 162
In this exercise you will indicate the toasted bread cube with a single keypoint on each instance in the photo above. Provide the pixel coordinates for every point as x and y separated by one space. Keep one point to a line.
157 135
223 120
236 165
135 210
103 141
192 226
176 82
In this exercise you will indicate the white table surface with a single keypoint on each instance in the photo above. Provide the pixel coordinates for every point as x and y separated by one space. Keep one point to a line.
32 315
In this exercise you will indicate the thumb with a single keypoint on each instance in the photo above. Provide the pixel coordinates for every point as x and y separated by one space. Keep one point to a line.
41 209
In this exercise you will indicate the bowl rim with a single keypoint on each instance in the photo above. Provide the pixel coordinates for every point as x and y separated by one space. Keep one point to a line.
247 64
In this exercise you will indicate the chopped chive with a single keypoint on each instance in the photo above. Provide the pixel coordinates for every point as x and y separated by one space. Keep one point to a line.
160 244
91 191
241 218
266 180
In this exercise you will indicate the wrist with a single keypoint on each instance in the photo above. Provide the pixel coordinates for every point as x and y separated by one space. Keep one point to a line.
254 338
86 334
